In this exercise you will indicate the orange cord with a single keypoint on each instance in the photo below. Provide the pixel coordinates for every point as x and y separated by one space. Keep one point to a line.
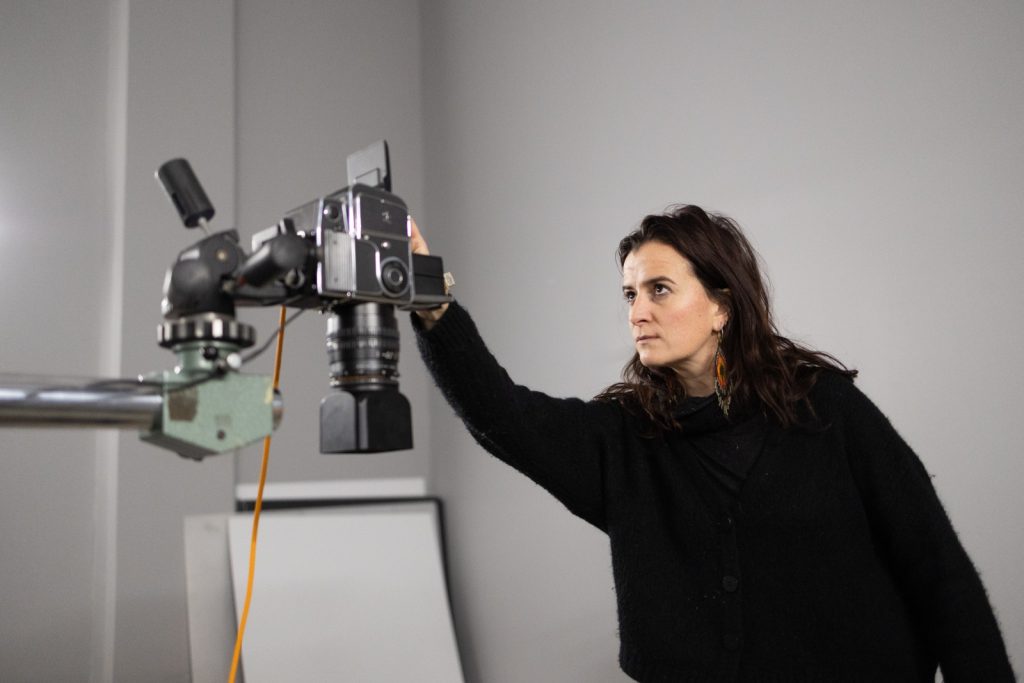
256 511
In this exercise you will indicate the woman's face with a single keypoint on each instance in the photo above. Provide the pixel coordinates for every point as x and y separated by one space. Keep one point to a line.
673 320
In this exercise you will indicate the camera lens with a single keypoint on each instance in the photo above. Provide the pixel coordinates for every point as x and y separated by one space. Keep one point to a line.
362 346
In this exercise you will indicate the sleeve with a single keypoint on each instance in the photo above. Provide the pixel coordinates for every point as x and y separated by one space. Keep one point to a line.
561 444
914 533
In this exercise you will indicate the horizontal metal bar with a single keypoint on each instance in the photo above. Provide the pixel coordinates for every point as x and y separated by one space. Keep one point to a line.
42 402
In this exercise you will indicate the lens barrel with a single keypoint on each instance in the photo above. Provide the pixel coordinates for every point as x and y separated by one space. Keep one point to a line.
368 414
362 346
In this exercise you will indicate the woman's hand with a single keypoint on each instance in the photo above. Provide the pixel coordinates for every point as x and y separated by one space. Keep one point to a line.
419 246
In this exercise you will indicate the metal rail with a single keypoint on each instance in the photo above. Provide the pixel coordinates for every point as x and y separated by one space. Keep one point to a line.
49 402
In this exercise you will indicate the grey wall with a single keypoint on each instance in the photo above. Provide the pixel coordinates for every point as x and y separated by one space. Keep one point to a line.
317 81
54 289
286 95
178 100
95 95
874 154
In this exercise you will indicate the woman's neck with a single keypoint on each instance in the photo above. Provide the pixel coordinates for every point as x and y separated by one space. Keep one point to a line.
697 381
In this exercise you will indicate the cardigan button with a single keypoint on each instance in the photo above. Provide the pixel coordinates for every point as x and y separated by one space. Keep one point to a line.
730 584
731 641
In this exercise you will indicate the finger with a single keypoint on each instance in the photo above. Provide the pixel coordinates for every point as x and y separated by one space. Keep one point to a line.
419 245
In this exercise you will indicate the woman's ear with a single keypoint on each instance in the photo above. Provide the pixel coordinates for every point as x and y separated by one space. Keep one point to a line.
723 298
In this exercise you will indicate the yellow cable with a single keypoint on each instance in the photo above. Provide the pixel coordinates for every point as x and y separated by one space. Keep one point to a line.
256 511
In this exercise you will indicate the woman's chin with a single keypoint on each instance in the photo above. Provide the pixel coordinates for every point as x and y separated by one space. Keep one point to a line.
649 361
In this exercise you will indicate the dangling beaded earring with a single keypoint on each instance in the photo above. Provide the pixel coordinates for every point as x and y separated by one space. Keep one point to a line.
722 389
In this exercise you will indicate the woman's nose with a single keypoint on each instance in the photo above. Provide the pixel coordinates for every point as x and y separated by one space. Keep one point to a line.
639 312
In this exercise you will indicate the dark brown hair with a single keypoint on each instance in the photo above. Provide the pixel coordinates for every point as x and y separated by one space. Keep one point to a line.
766 371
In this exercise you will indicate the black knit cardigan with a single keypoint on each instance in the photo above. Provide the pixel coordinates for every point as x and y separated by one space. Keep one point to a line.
836 562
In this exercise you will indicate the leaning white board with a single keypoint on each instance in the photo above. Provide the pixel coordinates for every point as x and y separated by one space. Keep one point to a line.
345 594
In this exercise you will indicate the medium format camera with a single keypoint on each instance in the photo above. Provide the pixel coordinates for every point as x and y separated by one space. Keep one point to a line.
363 244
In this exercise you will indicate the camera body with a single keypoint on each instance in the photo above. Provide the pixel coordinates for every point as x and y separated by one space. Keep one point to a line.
363 244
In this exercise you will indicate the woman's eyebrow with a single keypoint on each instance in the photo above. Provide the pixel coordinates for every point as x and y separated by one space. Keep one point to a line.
649 282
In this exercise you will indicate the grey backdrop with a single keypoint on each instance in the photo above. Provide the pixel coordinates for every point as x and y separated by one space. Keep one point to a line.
874 154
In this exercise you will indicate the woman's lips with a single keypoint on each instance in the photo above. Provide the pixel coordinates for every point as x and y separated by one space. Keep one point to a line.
645 338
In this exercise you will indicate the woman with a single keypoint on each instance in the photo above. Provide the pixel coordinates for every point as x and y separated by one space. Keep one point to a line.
766 521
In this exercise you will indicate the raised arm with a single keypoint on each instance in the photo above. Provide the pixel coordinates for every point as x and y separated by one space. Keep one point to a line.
560 443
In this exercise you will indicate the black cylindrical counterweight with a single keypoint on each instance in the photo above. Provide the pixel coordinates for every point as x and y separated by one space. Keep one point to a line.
185 192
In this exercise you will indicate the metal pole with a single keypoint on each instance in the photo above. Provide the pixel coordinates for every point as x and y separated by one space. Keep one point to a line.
52 402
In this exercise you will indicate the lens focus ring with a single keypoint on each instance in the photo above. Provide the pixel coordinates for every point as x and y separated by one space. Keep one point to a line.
363 345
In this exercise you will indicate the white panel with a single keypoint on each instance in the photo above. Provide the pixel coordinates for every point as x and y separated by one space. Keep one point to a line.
351 594
211 614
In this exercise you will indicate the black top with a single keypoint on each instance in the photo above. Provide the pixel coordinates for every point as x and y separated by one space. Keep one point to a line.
834 561
726 449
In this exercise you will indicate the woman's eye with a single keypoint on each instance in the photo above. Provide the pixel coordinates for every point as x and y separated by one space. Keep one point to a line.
629 296
660 289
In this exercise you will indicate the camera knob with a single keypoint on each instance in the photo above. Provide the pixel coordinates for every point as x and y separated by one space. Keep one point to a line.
394 277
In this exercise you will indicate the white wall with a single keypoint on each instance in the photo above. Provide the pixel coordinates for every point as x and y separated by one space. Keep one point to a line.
873 152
